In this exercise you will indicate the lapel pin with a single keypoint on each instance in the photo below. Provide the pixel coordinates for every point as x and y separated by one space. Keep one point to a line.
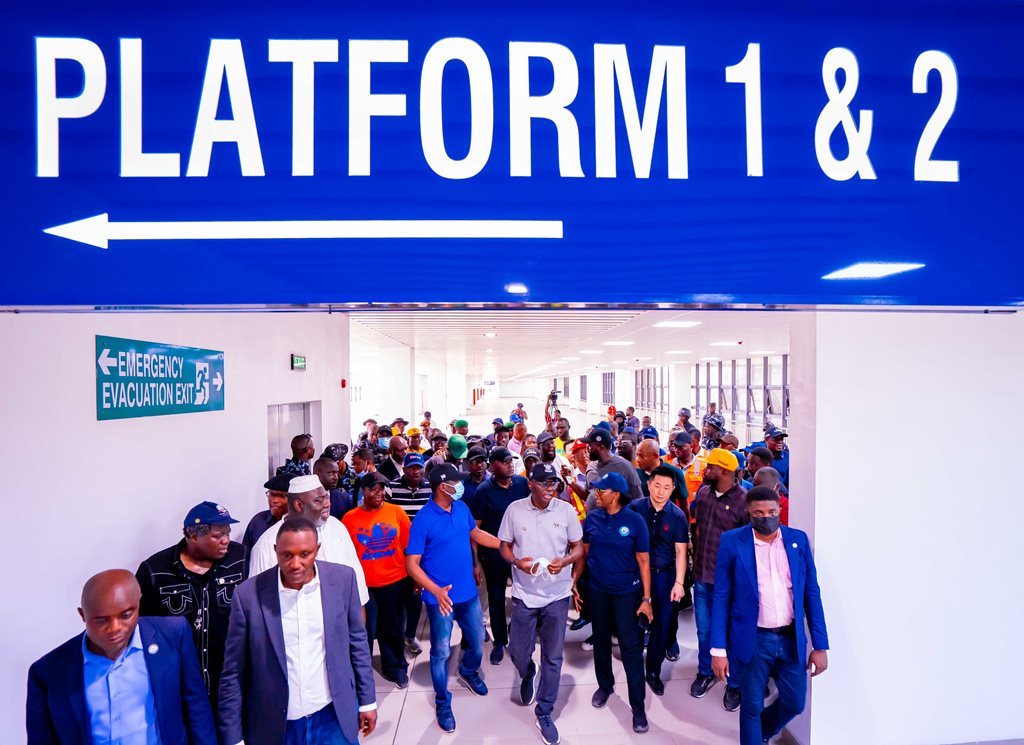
794 545
153 648
726 506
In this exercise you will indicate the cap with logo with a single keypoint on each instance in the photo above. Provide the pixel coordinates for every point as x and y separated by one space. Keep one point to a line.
684 412
649 433
774 433
515 419
413 431
446 473
279 482
531 453
543 472
613 481
599 435
210 513
412 459
335 451
499 454
723 459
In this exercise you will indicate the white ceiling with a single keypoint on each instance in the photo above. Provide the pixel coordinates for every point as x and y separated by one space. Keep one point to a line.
526 340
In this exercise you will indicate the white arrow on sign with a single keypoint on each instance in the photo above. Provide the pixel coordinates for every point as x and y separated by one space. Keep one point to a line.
106 361
218 381
99 229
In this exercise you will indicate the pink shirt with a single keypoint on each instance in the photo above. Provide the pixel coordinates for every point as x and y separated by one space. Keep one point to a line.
774 583
516 446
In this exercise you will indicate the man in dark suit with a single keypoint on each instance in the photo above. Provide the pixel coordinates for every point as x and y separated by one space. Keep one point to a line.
297 663
766 588
125 679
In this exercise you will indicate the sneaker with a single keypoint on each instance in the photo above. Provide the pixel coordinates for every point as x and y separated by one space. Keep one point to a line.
731 699
548 731
672 653
588 644
578 624
474 682
701 685
445 718
528 688
412 646
656 683
600 698
640 723
497 654
401 680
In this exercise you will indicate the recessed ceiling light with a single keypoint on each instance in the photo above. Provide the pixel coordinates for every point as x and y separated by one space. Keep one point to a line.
679 351
872 270
490 334
726 343
618 343
676 324
591 351
516 288
488 351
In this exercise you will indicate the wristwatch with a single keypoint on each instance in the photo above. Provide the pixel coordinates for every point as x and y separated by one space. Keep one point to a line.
645 600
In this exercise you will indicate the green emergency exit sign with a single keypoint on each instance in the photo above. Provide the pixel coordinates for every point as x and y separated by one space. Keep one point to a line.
144 378
298 362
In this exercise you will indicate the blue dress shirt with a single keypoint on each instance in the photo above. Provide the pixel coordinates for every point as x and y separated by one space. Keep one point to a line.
119 697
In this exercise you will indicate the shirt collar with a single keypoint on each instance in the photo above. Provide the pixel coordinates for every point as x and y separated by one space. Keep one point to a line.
310 586
758 541
135 643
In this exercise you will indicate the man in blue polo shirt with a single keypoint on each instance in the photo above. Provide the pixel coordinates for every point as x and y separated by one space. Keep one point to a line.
440 560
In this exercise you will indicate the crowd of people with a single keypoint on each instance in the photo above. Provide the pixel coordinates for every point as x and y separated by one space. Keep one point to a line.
270 639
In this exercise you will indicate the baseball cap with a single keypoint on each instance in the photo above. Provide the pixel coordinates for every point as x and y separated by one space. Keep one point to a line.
731 439
543 472
515 419
577 444
628 431
369 421
461 423
411 431
682 438
369 480
439 436
335 451
774 432
723 458
384 432
498 420
684 412
620 415
603 425
531 453
649 433
400 419
613 481
302 484
544 437
611 410
444 473
457 446
598 435
716 420
279 482
412 459
501 454
476 454
210 513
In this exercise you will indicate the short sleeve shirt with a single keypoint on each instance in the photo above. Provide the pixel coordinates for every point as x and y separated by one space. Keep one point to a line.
540 534
380 538
665 529
614 542
490 503
441 539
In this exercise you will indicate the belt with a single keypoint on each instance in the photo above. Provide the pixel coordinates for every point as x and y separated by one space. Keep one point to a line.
780 630
662 570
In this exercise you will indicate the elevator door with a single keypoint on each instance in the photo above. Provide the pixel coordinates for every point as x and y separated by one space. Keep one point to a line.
284 421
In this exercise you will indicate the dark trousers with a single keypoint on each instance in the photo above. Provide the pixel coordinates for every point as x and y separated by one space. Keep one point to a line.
497 573
776 656
546 623
666 619
617 614
321 728
384 623
412 605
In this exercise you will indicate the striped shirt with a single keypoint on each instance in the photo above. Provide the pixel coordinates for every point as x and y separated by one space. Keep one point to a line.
410 500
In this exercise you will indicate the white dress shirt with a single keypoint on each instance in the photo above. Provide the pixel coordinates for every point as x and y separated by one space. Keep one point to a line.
335 547
302 619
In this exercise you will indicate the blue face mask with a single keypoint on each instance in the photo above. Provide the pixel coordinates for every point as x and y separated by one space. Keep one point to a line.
383 442
460 489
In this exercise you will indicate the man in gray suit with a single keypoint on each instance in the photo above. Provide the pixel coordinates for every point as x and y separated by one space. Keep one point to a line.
297 663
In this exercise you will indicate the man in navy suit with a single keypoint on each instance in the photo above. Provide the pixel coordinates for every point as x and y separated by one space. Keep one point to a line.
126 680
297 663
766 587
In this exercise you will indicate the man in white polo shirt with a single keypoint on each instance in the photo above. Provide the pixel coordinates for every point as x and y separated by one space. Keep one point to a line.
541 538
307 497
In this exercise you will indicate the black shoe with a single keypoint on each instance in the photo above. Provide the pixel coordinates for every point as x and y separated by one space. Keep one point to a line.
497 654
656 683
600 698
473 682
528 688
672 653
548 731
731 699
640 723
578 624
701 685
401 680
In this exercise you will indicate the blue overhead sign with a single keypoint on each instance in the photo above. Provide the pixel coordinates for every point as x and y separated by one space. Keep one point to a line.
705 152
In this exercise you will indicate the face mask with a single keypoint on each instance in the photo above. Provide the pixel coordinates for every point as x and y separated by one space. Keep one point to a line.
359 474
383 442
765 525
460 489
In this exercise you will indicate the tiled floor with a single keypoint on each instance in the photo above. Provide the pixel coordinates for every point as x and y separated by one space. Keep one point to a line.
407 716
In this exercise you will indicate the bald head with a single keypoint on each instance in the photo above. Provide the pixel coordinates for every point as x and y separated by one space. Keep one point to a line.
110 609
767 476
648 455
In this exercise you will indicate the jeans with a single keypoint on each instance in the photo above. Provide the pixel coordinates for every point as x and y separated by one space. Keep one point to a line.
547 624
321 728
703 602
471 620
618 613
666 619
413 606
384 623
496 575
776 656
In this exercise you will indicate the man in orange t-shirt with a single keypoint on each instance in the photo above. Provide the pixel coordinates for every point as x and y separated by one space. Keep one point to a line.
380 533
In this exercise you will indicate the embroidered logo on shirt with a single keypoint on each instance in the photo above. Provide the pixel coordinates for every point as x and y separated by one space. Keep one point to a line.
623 531
379 541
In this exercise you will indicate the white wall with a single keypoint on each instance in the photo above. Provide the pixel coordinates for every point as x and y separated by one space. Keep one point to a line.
917 539
108 494
383 371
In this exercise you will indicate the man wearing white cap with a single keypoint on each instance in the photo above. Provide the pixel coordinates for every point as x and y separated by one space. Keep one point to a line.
308 498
